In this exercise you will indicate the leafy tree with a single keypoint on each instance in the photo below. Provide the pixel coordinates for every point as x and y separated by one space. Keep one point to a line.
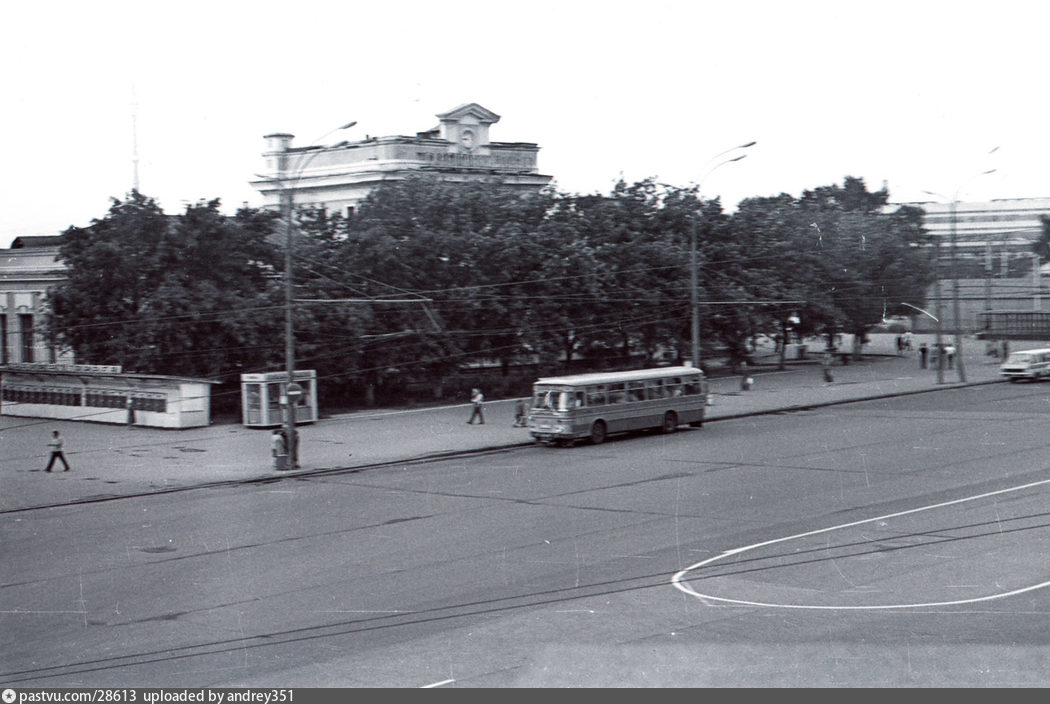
837 250
779 265
430 276
869 259
192 294
645 275
563 292
453 255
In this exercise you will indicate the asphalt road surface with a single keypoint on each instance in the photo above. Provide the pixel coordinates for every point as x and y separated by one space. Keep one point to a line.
901 542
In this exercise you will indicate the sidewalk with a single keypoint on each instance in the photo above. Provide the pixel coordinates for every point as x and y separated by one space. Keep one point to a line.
109 461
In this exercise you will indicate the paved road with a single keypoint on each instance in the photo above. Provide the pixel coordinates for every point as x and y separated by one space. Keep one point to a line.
117 461
898 542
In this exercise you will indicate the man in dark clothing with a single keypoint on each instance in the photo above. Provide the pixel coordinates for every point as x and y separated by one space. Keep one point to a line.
56 451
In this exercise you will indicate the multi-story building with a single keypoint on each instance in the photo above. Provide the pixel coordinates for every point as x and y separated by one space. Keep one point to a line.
989 247
340 176
27 269
990 231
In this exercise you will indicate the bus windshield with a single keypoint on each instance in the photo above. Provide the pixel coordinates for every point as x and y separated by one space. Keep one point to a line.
552 399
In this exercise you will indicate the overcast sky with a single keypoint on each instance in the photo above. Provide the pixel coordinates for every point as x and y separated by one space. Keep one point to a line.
915 94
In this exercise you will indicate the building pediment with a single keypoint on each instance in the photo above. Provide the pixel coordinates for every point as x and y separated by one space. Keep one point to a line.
467 127
472 111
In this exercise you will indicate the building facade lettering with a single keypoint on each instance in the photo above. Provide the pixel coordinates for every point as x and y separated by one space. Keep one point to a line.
477 161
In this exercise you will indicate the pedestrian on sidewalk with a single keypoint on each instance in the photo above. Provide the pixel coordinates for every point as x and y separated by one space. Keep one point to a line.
520 414
476 398
56 451
924 352
746 381
949 352
825 365
130 405
279 450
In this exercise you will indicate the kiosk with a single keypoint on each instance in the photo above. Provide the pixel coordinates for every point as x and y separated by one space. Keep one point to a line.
104 394
263 397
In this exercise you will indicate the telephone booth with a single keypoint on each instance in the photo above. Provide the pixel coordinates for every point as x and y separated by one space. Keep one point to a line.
263 398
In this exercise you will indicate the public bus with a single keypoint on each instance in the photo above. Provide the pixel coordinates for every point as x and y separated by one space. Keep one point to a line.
593 406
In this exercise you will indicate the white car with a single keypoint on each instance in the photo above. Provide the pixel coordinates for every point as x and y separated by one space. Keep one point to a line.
1026 364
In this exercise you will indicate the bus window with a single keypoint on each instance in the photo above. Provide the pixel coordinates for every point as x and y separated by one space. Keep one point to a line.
635 391
542 399
580 400
654 388
692 385
596 395
555 400
617 393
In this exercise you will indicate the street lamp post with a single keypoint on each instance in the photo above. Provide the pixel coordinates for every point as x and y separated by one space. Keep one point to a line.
961 370
287 180
938 344
694 275
957 318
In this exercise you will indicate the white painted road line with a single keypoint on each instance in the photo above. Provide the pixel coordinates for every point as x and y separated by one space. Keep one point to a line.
678 580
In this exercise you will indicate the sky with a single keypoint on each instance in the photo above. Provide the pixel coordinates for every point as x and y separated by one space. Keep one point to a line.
923 96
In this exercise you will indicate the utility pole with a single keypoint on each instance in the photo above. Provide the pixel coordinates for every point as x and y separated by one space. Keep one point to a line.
938 344
953 217
694 284
955 304
292 441
987 276
288 179
694 275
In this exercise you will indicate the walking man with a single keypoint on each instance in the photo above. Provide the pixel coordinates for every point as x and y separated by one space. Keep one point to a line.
476 398
825 364
520 414
56 451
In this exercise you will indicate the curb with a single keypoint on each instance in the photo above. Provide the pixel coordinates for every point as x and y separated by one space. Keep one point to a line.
277 476
838 402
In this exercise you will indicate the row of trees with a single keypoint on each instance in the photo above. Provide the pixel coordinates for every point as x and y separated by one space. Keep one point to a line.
429 277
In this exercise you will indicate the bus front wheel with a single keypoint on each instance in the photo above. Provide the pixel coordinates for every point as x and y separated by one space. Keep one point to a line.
670 422
598 432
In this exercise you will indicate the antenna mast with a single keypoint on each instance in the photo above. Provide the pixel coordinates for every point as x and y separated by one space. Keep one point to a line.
134 140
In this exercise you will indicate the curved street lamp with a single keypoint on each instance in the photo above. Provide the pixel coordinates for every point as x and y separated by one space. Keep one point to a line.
286 180
694 276
955 285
